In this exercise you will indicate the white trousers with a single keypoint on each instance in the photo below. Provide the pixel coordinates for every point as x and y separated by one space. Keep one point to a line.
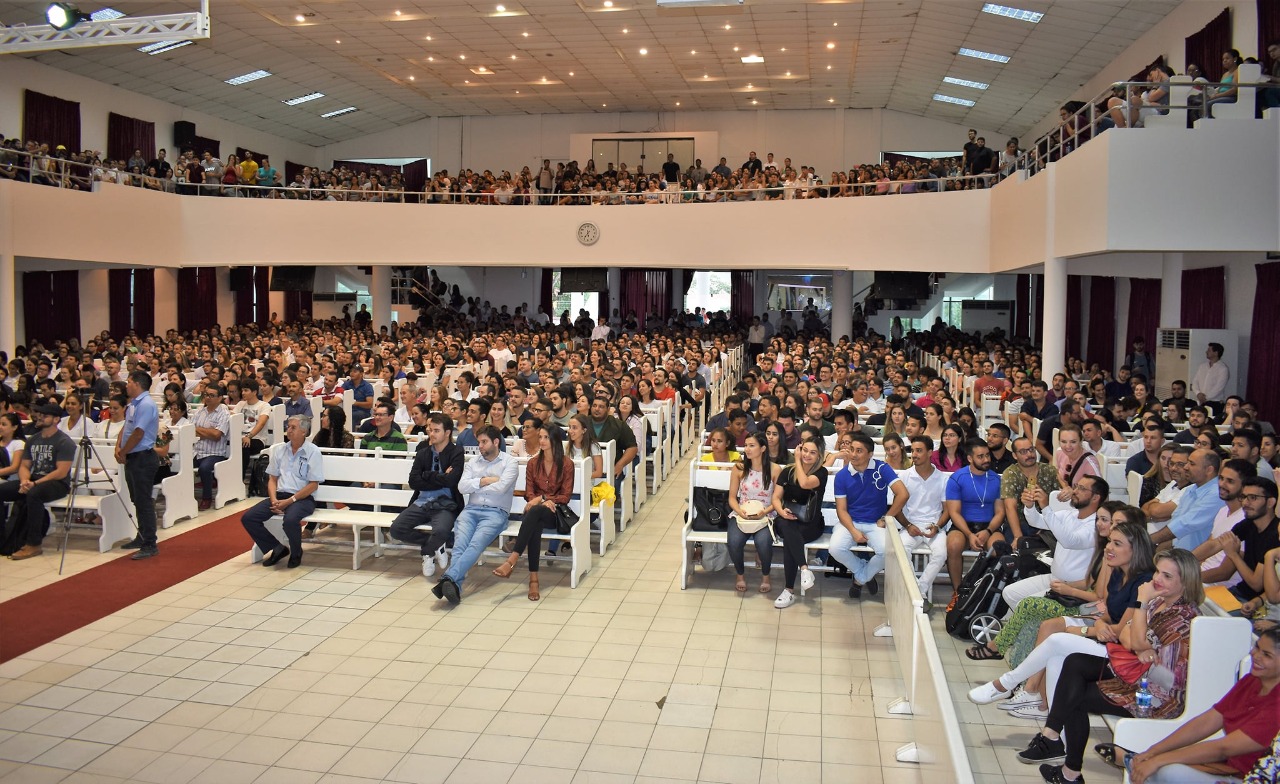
937 545
1014 593
1048 656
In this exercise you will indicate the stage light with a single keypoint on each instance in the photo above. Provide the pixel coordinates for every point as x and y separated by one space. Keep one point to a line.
64 16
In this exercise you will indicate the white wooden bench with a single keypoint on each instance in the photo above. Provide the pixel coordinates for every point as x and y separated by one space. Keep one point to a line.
229 474
113 508
579 536
179 490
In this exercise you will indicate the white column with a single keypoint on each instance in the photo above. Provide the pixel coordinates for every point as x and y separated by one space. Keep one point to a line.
1053 332
841 304
8 304
1171 291
380 291
677 289
613 280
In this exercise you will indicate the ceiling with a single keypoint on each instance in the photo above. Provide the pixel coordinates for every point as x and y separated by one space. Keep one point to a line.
400 61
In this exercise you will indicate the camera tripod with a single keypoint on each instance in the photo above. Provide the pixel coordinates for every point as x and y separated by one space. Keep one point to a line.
80 478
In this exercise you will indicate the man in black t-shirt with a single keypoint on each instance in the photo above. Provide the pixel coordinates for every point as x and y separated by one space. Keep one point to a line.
1247 544
43 476
671 169
969 148
982 159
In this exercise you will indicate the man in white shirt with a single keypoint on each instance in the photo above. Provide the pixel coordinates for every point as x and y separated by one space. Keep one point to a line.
1073 529
257 414
1162 507
1092 429
1209 386
925 513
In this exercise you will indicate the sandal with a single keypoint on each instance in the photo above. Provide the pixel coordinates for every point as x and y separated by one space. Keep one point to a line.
981 652
741 585
506 567
533 588
765 585
1111 754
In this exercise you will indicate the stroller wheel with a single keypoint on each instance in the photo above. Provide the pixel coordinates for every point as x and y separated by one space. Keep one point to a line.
983 628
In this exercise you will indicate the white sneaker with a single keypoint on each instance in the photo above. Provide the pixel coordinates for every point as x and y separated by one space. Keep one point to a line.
442 558
428 566
1030 712
986 694
1021 697
806 579
784 600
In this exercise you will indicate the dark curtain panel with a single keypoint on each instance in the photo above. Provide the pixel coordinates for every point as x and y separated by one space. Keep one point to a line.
1204 298
1144 311
50 120
742 296
294 303
1073 318
126 134
40 317
602 305
201 144
1205 48
252 295
634 292
1268 29
120 300
66 300
1037 325
257 156
197 298
415 179
1102 322
262 295
546 291
356 166
658 288
292 170
144 301
1022 307
1264 343
645 292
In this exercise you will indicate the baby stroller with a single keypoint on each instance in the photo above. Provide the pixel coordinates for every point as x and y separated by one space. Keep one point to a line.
980 604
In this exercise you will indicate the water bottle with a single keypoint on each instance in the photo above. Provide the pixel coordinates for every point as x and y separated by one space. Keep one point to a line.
1143 699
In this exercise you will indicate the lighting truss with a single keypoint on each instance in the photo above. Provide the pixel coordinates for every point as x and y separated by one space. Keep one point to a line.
134 30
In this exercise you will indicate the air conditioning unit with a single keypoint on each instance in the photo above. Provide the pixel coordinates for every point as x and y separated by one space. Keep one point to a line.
985 316
1180 352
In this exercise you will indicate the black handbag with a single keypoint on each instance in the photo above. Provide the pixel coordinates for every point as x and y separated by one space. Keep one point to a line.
809 511
1066 601
258 475
710 509
566 518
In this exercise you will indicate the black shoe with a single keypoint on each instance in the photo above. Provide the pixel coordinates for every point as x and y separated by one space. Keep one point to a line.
437 590
1053 775
1041 749
873 587
450 590
855 590
133 544
277 555
295 560
146 552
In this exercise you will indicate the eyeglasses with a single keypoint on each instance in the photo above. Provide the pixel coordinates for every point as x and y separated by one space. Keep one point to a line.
1253 496
1025 451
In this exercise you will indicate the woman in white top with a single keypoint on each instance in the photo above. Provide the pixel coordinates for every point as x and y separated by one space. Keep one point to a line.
582 443
75 423
110 429
10 427
165 448
1074 460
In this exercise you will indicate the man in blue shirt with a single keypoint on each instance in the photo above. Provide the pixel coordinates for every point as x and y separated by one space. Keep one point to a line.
298 403
862 503
977 513
135 450
294 473
361 394
1192 521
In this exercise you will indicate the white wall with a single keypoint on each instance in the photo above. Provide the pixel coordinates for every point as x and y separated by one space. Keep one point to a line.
166 300
825 138
95 303
98 99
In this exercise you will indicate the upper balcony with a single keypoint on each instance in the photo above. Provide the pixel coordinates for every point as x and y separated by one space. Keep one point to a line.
1212 188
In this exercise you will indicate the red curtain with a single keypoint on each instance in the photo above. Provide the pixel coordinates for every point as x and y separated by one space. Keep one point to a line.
294 303
1073 317
1205 48
50 120
645 292
1204 298
1022 307
198 298
415 179
1144 310
51 306
1268 29
126 134
252 296
742 296
132 297
1102 321
292 170
1264 344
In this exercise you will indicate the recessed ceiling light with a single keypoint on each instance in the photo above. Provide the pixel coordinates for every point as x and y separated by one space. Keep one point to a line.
339 112
338 41
1013 13
831 45
571 73
981 55
466 81
502 9
105 15
831 100
397 12
749 85
828 68
644 51
704 76
252 76
462 57
625 31
735 48
300 18
728 27
160 47
965 83
752 58
428 38
604 104
431 59
608 3
788 73
303 99
411 78
783 49
544 78
677 103
940 98
754 102
517 92
525 34
835 24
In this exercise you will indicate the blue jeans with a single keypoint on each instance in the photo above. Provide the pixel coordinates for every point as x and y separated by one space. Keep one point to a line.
842 545
204 467
474 529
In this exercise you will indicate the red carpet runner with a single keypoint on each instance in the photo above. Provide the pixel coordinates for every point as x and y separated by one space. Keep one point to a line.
47 613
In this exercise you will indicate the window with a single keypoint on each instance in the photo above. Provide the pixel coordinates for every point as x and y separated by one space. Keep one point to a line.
709 291
635 153
572 301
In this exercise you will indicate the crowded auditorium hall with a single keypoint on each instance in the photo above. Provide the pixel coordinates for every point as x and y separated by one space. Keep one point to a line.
978 487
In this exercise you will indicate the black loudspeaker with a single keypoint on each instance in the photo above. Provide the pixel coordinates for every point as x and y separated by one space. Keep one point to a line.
184 135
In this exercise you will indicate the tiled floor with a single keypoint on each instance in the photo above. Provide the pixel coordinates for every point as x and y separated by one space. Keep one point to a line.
245 674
